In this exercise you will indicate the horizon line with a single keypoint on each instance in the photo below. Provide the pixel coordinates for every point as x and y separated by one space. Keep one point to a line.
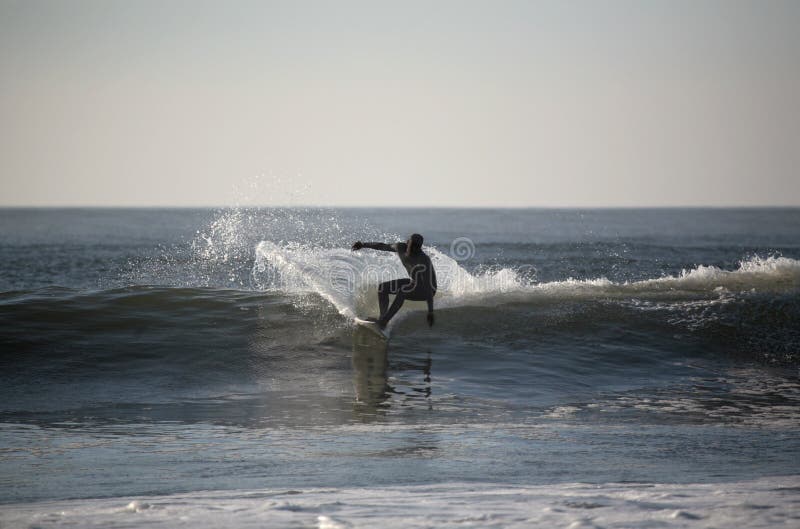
320 206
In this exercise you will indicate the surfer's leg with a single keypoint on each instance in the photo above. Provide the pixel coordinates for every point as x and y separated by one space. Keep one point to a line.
389 287
396 304
383 297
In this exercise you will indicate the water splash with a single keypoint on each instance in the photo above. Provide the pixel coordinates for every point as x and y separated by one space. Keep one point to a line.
348 280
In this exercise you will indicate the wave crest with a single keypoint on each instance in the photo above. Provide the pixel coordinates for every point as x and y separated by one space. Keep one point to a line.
348 279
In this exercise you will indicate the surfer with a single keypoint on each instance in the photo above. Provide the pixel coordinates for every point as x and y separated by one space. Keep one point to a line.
419 286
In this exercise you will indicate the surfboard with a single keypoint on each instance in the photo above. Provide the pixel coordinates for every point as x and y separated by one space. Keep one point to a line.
373 327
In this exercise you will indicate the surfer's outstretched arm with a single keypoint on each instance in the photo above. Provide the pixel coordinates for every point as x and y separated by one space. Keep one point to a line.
382 246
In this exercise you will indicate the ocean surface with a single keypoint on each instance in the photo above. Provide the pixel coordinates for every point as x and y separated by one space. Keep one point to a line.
587 368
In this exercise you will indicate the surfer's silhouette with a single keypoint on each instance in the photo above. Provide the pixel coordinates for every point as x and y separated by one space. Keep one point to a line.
419 286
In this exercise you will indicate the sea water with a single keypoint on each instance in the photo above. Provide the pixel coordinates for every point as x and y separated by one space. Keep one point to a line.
587 368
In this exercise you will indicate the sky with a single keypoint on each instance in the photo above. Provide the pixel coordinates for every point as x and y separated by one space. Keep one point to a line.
377 103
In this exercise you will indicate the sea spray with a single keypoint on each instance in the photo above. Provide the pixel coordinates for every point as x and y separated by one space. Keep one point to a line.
343 277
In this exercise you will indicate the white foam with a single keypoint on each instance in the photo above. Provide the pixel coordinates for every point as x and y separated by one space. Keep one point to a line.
770 273
765 502
348 279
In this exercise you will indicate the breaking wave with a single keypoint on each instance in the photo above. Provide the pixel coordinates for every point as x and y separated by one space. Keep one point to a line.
347 279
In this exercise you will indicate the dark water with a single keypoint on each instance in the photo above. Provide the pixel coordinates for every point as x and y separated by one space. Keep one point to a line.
159 351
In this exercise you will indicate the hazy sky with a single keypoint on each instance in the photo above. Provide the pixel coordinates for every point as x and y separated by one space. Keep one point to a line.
555 104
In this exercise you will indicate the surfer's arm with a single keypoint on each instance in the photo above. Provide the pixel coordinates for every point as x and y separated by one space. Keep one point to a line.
381 246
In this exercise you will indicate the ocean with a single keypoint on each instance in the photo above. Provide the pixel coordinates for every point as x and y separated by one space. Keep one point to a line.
587 368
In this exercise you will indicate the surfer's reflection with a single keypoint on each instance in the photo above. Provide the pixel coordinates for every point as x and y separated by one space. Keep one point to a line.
427 372
369 370
373 392
413 393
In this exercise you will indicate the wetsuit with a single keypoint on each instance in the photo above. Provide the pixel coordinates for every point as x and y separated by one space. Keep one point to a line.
419 286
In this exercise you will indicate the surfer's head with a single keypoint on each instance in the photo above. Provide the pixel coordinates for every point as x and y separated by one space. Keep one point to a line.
414 244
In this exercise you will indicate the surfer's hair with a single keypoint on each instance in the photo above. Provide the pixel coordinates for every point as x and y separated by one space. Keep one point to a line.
415 245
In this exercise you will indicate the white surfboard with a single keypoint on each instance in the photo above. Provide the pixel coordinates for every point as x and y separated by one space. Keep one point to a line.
372 326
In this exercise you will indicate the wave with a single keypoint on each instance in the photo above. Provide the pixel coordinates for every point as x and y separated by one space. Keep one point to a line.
348 279
304 298
167 344
748 310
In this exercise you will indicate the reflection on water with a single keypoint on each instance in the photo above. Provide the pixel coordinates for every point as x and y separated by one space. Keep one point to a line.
406 389
369 370
375 392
